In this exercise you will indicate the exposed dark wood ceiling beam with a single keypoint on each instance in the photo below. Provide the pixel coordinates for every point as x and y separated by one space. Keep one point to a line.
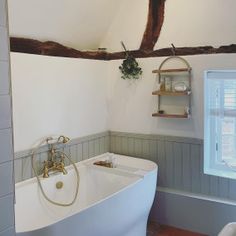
154 24
152 32
181 51
49 48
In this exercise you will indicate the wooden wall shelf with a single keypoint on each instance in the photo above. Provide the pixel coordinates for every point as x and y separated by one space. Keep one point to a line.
165 82
171 115
172 70
167 93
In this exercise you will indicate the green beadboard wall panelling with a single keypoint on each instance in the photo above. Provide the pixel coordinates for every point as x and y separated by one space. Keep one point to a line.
79 149
180 162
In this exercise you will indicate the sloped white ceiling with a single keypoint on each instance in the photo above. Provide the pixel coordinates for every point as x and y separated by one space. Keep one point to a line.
80 24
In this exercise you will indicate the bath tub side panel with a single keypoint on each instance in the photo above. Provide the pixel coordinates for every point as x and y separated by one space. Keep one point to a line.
125 213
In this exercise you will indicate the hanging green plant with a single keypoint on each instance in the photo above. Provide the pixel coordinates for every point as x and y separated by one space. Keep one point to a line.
130 68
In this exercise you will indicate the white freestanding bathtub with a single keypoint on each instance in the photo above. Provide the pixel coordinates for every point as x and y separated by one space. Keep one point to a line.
110 202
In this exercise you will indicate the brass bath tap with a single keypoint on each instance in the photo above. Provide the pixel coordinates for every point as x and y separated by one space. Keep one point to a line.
52 165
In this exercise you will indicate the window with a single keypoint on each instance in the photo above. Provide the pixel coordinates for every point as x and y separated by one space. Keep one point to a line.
220 123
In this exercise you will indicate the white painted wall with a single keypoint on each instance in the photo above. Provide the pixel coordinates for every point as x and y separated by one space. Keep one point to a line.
85 25
186 23
80 97
64 95
131 103
194 23
75 23
53 95
128 25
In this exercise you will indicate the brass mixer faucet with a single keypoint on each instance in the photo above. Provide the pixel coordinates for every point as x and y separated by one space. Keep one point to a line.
52 164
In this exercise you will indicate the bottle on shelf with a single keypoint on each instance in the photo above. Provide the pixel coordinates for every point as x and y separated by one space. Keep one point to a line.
162 84
168 83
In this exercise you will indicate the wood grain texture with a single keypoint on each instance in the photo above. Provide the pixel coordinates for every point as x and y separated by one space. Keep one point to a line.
170 115
49 48
170 93
180 51
154 24
172 70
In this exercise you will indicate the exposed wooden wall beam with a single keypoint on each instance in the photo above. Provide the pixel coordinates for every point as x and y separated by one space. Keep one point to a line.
181 51
49 48
154 24
150 37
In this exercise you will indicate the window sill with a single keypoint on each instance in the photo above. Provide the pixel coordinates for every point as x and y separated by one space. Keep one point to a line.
221 173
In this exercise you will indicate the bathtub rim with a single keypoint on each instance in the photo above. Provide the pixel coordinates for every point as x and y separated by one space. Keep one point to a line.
86 163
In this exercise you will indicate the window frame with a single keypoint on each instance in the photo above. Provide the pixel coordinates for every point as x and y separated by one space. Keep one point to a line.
212 163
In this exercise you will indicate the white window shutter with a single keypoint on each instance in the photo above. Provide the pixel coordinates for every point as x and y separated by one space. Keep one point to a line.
220 123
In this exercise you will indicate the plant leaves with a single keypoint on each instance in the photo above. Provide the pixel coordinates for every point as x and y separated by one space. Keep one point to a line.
130 68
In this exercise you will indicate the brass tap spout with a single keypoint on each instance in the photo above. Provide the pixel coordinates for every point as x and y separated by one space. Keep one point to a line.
45 170
53 166
55 160
61 167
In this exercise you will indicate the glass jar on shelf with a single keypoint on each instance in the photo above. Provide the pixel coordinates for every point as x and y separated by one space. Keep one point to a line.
168 84
162 84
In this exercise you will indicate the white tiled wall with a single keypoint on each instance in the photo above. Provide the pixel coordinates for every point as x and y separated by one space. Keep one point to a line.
6 182
6 149
5 145
5 114
2 13
8 232
4 54
7 211
4 75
